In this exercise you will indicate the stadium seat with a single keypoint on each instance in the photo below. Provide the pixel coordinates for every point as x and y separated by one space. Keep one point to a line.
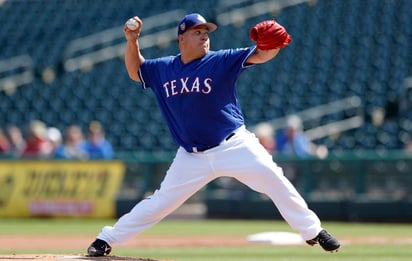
331 57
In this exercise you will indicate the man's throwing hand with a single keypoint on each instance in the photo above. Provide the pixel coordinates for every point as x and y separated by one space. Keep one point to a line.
132 28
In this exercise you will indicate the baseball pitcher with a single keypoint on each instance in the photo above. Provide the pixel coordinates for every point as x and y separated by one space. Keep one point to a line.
196 93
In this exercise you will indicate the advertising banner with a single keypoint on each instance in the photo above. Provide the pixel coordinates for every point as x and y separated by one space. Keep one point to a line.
59 188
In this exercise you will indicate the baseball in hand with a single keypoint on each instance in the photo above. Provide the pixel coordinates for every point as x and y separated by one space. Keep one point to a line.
132 24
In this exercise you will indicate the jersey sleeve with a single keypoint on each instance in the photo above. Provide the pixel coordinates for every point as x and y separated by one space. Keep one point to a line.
236 58
251 50
148 67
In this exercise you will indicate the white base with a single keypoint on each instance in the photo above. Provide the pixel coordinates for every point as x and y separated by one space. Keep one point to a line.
276 238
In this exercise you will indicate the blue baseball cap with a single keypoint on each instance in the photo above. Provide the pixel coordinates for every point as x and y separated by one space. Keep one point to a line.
192 20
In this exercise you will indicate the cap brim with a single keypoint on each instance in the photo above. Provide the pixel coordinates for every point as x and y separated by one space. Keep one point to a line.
211 26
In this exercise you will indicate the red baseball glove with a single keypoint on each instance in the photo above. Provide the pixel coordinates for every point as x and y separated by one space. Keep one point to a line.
269 35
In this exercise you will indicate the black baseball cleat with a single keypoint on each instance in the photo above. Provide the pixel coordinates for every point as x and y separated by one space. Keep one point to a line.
99 248
326 241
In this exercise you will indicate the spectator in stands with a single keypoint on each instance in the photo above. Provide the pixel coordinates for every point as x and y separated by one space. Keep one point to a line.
54 135
17 141
37 144
97 146
265 133
407 147
292 141
74 145
4 143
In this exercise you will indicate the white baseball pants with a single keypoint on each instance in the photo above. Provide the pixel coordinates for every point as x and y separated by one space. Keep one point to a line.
241 157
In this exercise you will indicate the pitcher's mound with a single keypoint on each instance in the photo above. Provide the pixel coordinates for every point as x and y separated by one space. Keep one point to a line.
50 257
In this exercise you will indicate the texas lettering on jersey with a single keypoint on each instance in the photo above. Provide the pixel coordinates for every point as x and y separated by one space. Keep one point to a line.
187 85
197 99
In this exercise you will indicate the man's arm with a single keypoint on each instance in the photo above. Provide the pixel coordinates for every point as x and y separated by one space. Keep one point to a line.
262 56
133 57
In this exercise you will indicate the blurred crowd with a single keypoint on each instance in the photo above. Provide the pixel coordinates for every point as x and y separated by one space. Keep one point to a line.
290 141
45 142
39 141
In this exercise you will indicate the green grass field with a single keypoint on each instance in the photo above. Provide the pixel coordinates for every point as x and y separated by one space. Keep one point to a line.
399 249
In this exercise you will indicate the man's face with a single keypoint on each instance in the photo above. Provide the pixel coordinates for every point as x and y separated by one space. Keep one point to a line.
195 40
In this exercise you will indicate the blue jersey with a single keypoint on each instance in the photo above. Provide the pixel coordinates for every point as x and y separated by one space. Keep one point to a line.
198 100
